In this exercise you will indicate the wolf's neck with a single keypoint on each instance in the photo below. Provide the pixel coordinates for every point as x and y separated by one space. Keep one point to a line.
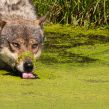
17 9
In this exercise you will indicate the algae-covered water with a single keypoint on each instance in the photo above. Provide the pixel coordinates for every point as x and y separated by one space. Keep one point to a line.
73 71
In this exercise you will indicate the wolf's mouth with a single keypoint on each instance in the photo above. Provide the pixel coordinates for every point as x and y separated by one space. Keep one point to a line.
26 69
30 75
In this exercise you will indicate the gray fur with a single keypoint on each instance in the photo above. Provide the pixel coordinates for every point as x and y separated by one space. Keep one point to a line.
17 19
17 9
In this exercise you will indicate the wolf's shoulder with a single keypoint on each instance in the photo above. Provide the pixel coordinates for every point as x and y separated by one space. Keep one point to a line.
17 8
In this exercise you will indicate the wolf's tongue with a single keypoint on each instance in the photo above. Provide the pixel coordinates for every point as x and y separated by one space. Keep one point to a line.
26 75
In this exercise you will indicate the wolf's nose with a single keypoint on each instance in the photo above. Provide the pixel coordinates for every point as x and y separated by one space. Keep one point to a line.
28 66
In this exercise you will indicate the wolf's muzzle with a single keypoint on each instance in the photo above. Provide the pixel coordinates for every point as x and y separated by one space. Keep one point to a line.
28 66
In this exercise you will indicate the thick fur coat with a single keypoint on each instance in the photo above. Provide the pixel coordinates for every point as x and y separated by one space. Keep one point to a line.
17 8
20 32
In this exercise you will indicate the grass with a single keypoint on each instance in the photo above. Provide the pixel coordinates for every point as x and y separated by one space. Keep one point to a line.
75 12
74 72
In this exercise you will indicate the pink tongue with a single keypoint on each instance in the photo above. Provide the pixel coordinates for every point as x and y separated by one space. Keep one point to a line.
28 75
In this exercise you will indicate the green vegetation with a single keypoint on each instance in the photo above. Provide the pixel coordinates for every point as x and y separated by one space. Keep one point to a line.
26 54
73 71
76 12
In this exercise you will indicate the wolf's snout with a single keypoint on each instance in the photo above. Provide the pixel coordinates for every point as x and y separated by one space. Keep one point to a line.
28 66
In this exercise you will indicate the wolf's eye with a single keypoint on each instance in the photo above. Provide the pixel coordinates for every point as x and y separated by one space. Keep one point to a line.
16 45
34 46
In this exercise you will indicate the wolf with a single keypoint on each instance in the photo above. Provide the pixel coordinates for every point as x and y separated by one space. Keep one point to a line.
20 33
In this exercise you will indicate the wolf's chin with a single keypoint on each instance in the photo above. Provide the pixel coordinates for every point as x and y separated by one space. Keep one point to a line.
19 67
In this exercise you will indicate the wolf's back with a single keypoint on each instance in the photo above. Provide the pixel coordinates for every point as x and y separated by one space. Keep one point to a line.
17 9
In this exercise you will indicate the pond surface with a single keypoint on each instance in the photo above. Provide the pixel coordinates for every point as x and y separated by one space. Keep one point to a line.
65 48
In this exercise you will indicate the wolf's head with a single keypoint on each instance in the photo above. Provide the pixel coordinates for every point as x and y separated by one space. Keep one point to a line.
21 43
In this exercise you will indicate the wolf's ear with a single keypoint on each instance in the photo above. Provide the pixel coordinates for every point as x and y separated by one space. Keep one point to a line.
2 24
41 20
